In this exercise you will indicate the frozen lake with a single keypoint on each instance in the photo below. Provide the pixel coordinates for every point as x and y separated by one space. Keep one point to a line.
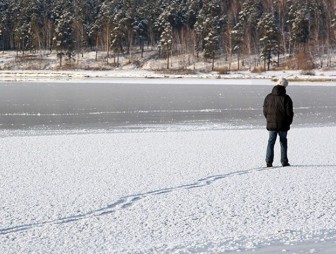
164 191
154 105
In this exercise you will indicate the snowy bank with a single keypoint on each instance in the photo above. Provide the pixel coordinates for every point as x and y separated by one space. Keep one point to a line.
106 76
167 192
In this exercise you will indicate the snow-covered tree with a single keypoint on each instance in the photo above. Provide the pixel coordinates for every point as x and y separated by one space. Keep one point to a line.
199 31
246 25
80 33
141 27
64 34
166 41
103 24
90 13
127 22
6 21
118 32
269 38
165 30
299 23
196 25
22 31
208 28
28 24
193 9
36 23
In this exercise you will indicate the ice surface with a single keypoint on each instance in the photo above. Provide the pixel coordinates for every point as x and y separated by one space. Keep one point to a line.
156 104
166 192
180 187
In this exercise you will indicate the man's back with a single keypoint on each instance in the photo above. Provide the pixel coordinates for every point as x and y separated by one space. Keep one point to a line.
278 109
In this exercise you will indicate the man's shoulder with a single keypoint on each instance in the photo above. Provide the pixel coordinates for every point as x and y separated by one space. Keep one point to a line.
288 97
268 96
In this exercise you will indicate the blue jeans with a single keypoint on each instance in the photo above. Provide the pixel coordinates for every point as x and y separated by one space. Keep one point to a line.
283 145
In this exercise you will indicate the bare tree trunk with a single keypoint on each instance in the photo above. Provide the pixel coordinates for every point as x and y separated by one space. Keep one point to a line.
238 56
3 44
97 43
142 48
107 42
60 56
130 43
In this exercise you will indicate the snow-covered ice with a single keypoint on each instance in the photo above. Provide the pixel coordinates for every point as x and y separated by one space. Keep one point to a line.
167 192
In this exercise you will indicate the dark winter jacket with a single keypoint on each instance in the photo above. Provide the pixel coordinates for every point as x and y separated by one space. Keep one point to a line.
278 110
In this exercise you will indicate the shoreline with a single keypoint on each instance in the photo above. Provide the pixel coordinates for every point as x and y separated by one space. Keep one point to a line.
82 75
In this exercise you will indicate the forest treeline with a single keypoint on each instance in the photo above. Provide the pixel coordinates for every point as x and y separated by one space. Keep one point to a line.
208 29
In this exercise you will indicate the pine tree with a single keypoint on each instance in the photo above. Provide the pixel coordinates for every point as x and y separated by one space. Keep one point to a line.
166 41
118 33
90 14
22 32
299 24
193 9
153 10
165 30
103 24
36 24
6 22
126 23
247 23
64 35
80 33
199 32
269 38
208 28
140 26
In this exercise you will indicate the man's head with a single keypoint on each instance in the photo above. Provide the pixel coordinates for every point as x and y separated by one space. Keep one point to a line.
282 82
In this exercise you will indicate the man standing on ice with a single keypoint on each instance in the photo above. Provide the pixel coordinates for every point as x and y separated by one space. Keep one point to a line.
278 111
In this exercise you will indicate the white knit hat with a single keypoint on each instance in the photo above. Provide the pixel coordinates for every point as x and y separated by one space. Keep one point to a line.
282 82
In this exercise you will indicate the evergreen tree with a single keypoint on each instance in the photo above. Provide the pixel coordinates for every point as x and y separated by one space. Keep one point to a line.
6 22
247 23
140 26
199 32
152 10
64 35
80 33
128 22
90 15
165 30
269 38
166 41
299 23
207 28
103 24
212 29
22 30
36 24
193 9
118 32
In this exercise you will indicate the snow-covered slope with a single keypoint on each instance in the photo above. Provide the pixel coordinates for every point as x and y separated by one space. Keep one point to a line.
167 192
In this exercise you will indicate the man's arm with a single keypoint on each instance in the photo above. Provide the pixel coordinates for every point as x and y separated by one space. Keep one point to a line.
265 108
289 110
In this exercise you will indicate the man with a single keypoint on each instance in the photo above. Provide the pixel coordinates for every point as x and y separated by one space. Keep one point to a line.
278 111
